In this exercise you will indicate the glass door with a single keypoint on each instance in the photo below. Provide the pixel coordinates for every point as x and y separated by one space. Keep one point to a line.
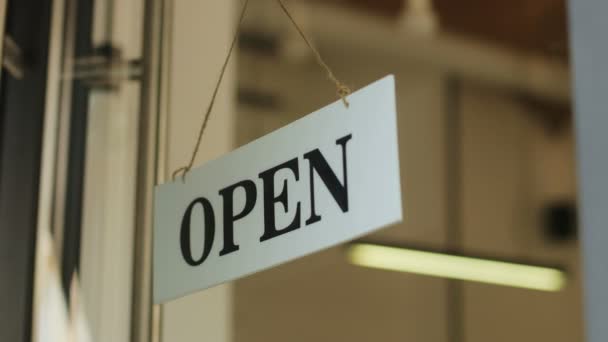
87 221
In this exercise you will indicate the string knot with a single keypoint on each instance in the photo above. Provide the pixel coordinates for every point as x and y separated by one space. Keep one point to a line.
343 92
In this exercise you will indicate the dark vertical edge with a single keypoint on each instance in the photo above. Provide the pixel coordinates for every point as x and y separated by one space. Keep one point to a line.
22 106
77 150
453 181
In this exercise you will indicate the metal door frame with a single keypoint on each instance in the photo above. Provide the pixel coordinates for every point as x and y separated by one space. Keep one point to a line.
23 109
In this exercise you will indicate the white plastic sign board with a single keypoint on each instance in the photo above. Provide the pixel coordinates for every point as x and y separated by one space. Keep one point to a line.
325 179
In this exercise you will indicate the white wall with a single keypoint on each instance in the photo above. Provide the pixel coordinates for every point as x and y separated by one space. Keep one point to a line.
201 32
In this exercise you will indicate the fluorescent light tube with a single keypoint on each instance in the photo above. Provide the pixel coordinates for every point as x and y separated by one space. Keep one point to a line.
456 267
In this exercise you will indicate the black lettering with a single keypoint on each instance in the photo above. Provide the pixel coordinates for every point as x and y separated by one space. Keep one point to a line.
270 228
230 217
209 231
338 190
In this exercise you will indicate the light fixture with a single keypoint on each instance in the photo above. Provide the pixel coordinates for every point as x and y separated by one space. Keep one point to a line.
456 267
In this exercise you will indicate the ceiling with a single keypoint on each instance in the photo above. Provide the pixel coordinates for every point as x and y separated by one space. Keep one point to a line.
538 26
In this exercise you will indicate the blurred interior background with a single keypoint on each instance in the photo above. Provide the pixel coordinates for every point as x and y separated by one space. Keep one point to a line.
486 151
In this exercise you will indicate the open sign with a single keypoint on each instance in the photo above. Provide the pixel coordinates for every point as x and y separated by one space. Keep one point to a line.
325 179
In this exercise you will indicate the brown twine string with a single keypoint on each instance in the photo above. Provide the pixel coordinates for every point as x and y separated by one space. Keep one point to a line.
342 89
187 168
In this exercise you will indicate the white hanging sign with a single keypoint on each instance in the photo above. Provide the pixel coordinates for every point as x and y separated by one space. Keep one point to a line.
325 179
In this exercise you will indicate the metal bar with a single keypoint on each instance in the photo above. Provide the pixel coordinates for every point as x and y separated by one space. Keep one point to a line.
147 172
164 105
